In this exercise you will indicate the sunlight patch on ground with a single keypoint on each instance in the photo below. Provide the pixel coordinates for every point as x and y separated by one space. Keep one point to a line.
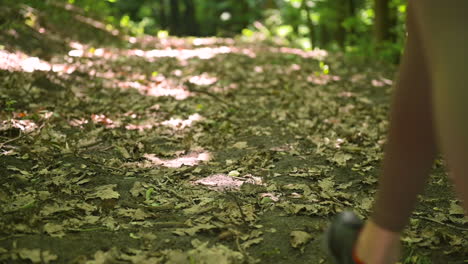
78 122
322 79
139 127
160 87
184 54
190 159
220 182
382 82
177 123
24 125
203 79
104 120
101 119
317 54
212 41
19 61
81 50
179 43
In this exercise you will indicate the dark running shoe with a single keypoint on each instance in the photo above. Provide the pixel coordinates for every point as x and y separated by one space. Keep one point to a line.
341 236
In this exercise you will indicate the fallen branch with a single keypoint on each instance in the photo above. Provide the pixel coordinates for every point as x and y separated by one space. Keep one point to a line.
192 88
21 135
442 223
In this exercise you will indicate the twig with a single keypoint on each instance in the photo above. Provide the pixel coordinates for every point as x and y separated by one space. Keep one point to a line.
92 229
442 223
11 140
169 224
243 217
97 163
12 236
191 88
22 135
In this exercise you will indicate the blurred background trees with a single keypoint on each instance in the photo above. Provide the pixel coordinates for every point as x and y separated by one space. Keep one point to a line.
373 28
354 26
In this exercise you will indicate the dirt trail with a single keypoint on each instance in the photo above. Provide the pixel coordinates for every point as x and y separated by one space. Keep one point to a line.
194 151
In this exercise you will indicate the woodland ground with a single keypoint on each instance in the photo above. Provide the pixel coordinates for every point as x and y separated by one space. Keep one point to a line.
122 150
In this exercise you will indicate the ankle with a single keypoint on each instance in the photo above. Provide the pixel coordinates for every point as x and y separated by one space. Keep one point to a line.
376 245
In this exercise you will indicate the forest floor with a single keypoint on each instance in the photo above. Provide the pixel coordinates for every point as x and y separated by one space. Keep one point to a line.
191 150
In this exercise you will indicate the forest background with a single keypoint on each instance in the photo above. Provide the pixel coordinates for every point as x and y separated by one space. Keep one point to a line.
359 28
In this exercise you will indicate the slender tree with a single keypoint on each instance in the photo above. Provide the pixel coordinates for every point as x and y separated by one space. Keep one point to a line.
342 15
382 23
310 24
174 20
190 23
160 13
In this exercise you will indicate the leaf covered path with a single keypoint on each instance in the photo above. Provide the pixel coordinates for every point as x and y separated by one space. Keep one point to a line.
196 151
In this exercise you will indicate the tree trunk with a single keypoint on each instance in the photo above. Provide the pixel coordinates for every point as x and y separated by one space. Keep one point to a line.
191 25
352 10
174 25
340 34
382 23
160 13
245 9
324 36
310 24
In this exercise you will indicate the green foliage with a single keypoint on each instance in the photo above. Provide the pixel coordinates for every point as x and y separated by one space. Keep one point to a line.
8 104
414 258
344 25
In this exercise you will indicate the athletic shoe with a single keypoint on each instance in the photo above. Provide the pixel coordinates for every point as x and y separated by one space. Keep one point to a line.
341 237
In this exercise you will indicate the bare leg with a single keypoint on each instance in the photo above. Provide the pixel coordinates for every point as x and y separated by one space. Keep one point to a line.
444 31
438 47
411 146
409 154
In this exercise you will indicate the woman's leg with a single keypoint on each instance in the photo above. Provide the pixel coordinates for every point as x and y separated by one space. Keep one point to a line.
409 155
439 33
444 31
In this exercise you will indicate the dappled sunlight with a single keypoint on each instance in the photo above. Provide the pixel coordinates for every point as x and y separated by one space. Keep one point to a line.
273 196
203 79
19 61
184 54
179 43
180 123
139 127
174 123
317 54
322 79
163 87
190 159
222 182
212 41
81 50
104 120
382 82
295 67
24 125
78 122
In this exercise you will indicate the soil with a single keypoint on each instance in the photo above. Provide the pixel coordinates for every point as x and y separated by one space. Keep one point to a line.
109 154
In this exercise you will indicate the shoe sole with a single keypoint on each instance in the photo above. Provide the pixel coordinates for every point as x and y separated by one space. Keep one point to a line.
326 245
